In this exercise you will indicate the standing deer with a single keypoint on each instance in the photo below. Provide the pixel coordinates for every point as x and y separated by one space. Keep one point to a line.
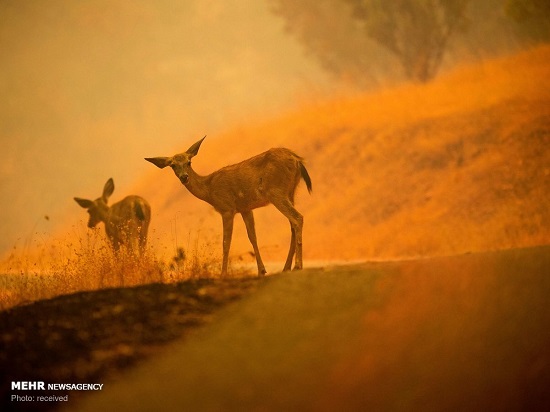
270 177
126 222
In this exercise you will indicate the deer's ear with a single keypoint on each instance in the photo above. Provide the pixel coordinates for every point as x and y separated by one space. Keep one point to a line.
194 149
85 203
108 189
160 162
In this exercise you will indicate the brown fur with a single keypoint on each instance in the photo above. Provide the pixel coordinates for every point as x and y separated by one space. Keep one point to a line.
270 177
126 222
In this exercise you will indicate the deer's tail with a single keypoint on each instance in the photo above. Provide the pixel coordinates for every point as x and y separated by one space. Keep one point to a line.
305 176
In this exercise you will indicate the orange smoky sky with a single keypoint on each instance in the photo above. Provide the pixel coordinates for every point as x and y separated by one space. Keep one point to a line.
90 88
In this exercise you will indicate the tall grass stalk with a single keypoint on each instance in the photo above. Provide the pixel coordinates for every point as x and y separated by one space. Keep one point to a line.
89 263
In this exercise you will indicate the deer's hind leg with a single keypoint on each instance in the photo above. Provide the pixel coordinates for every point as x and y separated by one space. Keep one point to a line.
291 251
248 218
296 225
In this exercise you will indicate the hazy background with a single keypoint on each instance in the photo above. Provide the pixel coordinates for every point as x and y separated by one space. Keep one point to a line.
90 88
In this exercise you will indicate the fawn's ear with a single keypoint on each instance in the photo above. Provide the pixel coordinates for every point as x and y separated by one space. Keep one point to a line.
108 189
160 162
85 203
194 149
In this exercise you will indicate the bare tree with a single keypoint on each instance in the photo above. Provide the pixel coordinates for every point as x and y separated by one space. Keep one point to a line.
360 39
331 35
126 222
417 32
270 177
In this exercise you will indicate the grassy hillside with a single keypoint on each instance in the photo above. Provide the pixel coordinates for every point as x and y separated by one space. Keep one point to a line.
457 165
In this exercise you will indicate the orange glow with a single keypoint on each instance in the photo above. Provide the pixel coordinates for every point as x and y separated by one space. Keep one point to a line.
453 166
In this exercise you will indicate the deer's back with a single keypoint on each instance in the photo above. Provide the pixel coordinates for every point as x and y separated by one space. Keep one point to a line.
130 210
276 161
253 182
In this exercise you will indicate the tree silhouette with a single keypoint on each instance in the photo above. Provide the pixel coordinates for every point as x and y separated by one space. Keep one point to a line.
531 18
417 32
374 42
332 36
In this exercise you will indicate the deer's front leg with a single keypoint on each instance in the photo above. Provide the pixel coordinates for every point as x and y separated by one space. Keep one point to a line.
248 218
227 234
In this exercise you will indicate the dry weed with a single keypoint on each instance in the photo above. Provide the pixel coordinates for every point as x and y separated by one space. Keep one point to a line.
89 263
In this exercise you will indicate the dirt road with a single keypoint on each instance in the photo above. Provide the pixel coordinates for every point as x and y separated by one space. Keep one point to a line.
457 333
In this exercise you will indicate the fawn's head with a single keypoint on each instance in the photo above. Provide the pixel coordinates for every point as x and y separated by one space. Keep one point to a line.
180 163
98 209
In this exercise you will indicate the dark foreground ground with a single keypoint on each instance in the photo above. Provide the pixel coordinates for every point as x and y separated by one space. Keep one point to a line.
88 337
469 332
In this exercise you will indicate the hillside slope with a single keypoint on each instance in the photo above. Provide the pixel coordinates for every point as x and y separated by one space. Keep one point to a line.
457 165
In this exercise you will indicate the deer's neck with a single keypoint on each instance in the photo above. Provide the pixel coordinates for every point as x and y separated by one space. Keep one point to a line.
103 212
198 186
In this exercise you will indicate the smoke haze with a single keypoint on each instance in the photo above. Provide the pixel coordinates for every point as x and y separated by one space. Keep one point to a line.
90 88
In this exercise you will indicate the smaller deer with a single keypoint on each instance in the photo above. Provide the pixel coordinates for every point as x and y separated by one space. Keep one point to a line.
270 177
126 222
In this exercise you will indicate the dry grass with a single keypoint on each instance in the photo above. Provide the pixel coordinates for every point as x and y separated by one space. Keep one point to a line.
87 262
453 166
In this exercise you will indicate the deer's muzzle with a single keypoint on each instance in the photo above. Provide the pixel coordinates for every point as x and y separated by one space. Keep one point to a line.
184 178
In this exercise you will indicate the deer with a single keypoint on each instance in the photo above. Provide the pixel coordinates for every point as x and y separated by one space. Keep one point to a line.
126 222
267 178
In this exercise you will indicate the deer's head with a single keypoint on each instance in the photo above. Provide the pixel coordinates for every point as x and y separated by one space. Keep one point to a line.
180 163
98 209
